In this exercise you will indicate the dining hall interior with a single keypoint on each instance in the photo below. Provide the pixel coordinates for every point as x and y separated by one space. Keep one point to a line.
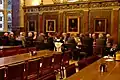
59 39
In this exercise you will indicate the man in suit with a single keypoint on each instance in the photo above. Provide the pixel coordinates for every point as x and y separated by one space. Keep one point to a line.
101 41
88 44
40 41
29 40
100 44
50 42
5 39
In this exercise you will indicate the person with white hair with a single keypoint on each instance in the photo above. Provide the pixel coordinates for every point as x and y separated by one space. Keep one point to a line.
29 40
109 40
107 35
40 41
5 39
41 38
100 36
21 39
64 37
11 39
100 44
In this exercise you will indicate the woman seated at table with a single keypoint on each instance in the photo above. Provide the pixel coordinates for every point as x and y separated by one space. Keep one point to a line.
11 39
21 39
29 40
50 42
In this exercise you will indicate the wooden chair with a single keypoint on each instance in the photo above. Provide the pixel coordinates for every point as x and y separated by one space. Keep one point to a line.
57 59
9 52
45 65
81 64
66 58
2 73
22 50
70 70
49 77
33 69
15 71
90 60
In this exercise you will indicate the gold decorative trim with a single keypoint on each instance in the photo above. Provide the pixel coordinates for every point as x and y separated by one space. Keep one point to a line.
78 5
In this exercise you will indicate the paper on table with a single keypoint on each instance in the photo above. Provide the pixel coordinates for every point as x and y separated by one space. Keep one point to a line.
108 57
109 60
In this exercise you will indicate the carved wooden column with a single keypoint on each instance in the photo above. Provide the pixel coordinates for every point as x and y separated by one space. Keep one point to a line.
21 14
115 24
5 16
86 20
41 23
60 23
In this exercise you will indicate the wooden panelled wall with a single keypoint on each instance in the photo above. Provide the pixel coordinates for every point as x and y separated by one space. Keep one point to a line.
86 17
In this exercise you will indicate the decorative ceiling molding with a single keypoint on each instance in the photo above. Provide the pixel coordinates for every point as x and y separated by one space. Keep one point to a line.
72 6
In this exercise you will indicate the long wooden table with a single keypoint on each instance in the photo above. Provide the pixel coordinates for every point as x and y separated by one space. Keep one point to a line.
23 57
7 47
92 72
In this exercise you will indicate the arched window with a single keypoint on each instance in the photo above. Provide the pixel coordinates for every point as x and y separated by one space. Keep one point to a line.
1 4
5 15
9 21
9 15
9 4
1 21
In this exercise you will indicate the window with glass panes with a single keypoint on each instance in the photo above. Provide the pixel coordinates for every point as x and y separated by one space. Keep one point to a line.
5 6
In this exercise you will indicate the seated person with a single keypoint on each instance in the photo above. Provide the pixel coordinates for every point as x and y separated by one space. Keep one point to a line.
29 40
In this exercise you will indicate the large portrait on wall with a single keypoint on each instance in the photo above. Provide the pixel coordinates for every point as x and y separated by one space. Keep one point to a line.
73 24
50 25
100 25
31 25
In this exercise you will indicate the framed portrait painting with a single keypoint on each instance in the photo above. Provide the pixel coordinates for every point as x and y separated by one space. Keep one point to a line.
50 25
100 25
73 24
31 25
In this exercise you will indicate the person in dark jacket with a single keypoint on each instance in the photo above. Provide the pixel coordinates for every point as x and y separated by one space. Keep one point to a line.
11 39
50 42
100 44
29 40
40 41
5 39
88 44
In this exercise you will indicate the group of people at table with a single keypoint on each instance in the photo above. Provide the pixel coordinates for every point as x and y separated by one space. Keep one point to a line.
46 41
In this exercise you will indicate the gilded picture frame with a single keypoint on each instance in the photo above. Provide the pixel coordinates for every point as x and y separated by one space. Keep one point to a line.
100 25
50 25
73 24
31 25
